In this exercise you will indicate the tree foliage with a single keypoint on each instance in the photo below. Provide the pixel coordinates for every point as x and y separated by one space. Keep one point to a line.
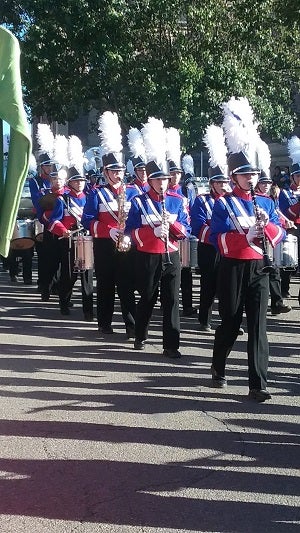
174 59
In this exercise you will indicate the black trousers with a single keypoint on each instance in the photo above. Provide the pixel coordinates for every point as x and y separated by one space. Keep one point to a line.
114 270
242 284
68 278
275 287
26 257
186 286
50 255
208 263
150 274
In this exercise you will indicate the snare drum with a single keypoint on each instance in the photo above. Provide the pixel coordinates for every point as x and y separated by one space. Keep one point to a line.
84 255
23 235
38 230
286 253
188 253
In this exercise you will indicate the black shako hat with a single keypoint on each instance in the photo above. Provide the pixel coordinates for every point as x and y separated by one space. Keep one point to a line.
138 162
217 174
74 174
295 169
45 159
239 163
113 161
157 170
174 167
264 178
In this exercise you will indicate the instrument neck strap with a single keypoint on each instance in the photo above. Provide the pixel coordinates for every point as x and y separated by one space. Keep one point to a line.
235 221
77 214
107 206
153 208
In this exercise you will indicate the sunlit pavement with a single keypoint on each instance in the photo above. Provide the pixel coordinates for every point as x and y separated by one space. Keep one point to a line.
97 437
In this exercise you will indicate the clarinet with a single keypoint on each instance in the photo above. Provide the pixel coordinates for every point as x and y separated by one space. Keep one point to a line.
268 266
166 258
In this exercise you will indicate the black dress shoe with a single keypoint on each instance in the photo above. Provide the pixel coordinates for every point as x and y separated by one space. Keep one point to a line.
27 281
260 395
45 296
139 345
241 331
205 327
65 311
130 332
280 308
106 330
172 353
218 381
189 311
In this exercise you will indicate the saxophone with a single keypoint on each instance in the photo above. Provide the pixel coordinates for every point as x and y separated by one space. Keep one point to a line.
123 243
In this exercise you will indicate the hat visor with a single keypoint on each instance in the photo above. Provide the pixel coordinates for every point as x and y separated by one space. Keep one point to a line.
159 174
115 166
246 169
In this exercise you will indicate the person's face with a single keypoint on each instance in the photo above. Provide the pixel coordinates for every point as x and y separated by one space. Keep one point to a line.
141 174
219 187
175 177
77 185
57 182
159 185
246 181
296 178
114 177
264 187
46 169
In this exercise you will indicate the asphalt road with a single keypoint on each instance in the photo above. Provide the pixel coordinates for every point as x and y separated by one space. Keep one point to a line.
96 437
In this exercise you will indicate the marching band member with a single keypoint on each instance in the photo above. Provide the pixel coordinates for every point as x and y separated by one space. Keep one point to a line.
175 171
50 249
289 203
102 215
277 305
156 220
201 212
40 184
65 219
240 225
136 145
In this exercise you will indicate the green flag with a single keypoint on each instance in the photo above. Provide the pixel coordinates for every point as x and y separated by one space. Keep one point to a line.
12 111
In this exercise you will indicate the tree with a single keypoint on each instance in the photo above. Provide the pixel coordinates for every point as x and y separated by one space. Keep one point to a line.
174 59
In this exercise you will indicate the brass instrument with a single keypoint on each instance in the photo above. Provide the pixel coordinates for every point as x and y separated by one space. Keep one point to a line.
268 266
123 243
165 222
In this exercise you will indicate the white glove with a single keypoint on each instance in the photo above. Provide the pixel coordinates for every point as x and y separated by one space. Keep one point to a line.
253 233
114 234
161 231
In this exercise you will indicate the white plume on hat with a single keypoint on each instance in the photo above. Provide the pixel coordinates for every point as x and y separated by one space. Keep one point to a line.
173 145
187 164
264 157
75 154
136 143
154 136
214 141
110 133
239 127
130 167
294 149
45 139
32 167
61 149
